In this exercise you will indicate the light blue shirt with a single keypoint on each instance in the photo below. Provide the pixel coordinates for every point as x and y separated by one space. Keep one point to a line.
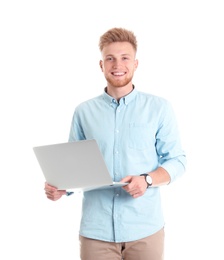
135 135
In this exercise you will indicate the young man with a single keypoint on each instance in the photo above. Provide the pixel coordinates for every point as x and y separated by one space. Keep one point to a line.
138 137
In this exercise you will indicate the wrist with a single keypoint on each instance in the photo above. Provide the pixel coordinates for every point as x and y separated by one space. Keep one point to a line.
148 179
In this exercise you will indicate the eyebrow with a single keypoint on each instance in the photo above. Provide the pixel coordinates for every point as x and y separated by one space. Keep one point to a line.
124 54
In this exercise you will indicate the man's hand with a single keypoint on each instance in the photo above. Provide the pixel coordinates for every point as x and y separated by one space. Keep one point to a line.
53 193
136 187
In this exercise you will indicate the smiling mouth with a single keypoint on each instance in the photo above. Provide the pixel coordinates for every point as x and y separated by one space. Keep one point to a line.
118 73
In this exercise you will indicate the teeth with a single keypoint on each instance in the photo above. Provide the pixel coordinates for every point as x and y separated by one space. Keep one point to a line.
118 73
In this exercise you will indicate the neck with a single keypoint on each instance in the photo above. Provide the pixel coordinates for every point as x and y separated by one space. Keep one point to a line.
119 92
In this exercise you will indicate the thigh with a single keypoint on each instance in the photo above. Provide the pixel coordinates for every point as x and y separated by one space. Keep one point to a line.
91 249
149 248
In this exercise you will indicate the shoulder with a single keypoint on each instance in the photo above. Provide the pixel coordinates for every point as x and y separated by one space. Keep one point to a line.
154 99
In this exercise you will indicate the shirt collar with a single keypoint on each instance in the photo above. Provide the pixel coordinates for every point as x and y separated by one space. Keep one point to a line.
126 99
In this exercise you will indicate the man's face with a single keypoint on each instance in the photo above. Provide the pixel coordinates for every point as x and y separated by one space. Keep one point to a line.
118 63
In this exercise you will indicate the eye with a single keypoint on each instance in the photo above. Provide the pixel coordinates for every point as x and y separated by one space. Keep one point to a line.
109 58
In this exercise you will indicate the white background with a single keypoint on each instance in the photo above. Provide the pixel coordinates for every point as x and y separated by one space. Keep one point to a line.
49 63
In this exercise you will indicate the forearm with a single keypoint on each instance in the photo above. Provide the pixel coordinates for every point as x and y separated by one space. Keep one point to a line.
160 177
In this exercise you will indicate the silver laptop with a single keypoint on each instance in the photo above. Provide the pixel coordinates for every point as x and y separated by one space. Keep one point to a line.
75 165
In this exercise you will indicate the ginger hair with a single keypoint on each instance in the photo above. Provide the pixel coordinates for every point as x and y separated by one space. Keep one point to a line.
117 35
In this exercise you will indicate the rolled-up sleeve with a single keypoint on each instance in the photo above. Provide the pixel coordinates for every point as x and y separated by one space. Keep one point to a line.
171 155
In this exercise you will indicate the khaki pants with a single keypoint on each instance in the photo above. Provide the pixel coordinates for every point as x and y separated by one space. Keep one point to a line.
149 248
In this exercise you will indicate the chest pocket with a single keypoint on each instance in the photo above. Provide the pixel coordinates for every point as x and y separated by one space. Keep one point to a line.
140 136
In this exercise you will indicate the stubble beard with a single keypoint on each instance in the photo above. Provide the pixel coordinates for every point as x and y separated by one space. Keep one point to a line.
119 83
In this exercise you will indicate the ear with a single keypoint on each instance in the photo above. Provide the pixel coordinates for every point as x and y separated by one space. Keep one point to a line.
101 64
136 64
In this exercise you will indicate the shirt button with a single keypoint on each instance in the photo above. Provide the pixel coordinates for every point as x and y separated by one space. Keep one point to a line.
117 195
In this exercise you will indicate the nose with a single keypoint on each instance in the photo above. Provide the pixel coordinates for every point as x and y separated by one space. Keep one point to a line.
116 64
